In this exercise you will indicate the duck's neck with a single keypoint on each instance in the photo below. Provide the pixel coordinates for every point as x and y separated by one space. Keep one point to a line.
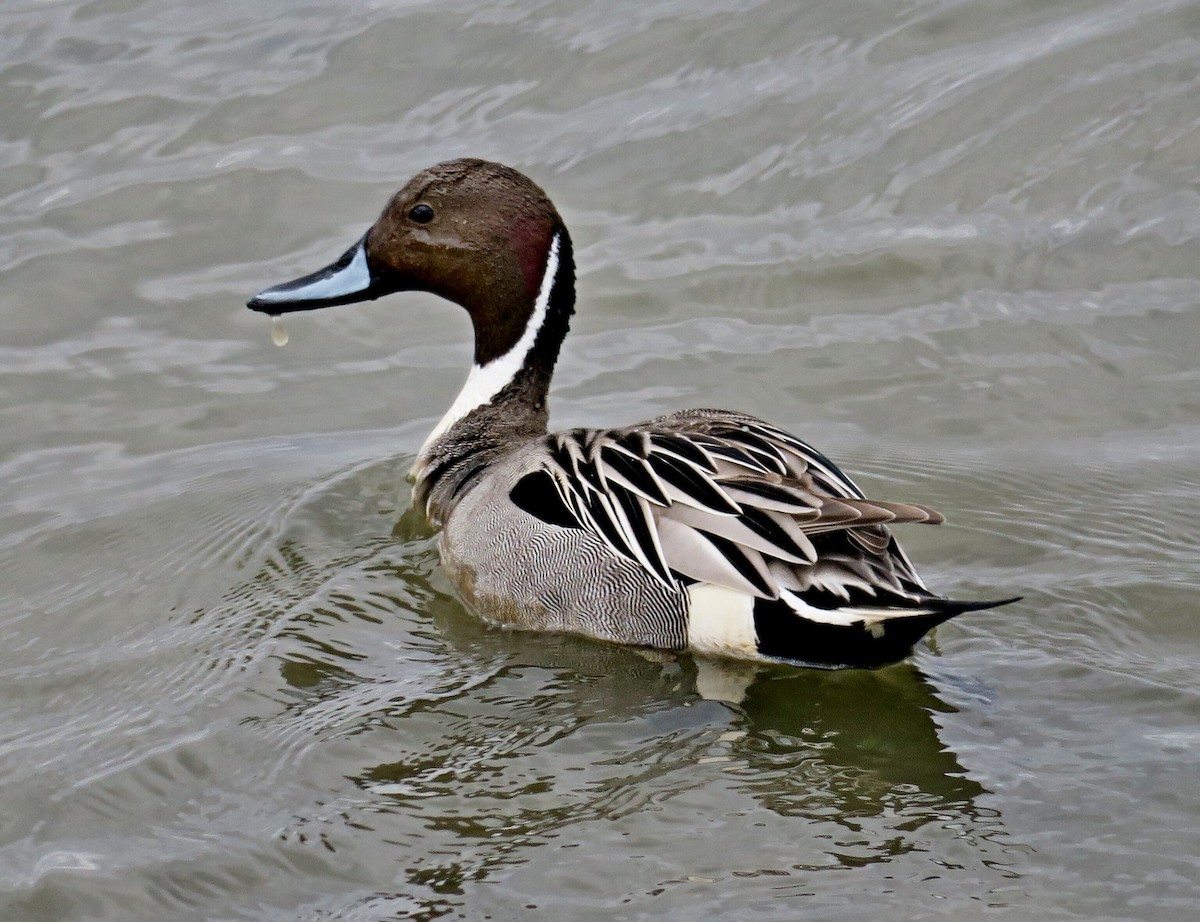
503 401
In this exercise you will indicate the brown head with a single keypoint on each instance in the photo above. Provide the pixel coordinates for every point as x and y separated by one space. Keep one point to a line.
474 232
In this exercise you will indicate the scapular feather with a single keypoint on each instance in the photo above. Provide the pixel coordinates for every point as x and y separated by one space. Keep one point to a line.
732 503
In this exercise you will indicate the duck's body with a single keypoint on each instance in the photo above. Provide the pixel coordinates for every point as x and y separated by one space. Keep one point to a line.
705 530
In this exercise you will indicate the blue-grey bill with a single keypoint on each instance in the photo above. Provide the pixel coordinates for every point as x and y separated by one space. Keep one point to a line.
344 282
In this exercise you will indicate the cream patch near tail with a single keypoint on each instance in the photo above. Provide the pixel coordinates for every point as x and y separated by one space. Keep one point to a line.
721 621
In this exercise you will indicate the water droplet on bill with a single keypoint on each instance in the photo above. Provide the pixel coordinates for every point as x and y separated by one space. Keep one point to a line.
279 335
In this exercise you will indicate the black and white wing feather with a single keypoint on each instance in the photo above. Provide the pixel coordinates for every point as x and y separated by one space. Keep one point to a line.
725 499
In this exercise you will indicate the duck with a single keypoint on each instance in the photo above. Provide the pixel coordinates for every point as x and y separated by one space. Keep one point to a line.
708 531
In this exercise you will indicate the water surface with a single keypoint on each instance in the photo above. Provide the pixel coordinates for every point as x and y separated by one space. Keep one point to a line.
954 244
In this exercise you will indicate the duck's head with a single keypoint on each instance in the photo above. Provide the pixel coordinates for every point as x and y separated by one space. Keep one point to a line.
477 233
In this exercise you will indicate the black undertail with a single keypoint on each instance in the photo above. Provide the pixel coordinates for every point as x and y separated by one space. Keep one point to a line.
785 635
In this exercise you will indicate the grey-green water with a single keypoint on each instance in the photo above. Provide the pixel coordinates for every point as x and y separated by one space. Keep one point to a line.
954 244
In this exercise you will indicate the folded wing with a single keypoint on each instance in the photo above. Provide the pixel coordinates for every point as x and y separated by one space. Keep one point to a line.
725 499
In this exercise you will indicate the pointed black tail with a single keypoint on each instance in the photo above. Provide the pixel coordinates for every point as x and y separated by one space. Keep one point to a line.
784 634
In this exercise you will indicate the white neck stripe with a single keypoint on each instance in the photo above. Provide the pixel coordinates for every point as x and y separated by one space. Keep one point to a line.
486 381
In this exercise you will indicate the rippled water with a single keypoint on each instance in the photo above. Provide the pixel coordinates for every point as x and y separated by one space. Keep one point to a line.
955 244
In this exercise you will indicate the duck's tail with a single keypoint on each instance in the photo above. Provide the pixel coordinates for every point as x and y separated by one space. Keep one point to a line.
852 636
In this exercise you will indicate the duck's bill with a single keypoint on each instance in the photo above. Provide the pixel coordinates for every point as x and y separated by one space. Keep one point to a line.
344 282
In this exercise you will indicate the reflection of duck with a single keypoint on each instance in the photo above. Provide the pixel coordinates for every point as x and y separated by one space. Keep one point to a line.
608 733
705 529
858 750
875 732
863 741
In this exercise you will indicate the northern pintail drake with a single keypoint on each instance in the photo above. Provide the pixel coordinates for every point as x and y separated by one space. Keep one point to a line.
703 530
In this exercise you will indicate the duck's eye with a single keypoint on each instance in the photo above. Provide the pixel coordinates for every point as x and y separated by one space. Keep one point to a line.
422 213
